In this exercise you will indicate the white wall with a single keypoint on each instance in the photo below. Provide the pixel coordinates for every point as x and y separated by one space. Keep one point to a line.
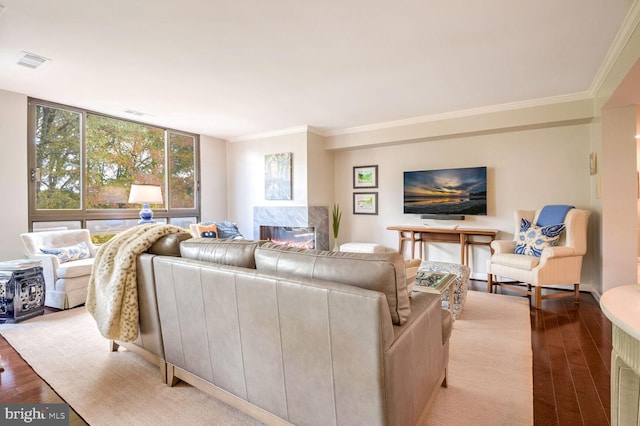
245 175
13 173
320 172
526 170
213 178
619 197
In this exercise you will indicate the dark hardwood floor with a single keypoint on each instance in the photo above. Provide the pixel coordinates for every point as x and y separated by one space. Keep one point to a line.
571 365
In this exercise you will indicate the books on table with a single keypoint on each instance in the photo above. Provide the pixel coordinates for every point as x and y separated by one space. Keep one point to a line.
19 264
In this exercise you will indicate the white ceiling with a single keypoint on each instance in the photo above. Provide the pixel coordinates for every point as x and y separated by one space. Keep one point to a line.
234 68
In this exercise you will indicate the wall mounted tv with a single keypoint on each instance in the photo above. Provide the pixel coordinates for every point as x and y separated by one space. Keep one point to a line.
446 193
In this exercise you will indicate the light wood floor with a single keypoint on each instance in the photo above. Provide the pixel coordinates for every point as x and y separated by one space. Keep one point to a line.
571 365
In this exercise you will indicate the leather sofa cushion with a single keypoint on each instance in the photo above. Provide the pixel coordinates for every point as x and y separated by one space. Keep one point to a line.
234 252
169 245
383 272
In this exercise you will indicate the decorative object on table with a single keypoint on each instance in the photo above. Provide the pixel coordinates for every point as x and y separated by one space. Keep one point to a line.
436 283
145 194
336 216
429 279
277 176
365 176
365 203
460 283
22 290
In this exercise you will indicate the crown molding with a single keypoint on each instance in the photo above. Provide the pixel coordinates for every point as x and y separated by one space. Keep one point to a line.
619 42
464 113
281 132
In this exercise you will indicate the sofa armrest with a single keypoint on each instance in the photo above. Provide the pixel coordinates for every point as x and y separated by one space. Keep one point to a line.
503 246
416 362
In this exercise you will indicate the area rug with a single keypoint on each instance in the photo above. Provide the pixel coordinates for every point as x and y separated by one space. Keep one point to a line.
490 378
490 372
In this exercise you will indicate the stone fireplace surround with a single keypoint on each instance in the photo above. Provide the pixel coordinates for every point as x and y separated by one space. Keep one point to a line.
296 216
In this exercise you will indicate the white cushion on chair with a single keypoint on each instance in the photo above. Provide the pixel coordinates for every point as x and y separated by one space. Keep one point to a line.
362 248
519 261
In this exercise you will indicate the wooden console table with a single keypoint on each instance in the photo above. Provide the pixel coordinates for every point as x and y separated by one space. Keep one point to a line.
428 234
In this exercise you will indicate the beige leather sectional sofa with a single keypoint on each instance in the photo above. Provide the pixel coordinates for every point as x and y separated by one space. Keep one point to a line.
291 335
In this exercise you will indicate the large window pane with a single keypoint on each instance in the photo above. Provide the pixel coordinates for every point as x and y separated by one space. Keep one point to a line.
83 164
182 169
58 162
120 153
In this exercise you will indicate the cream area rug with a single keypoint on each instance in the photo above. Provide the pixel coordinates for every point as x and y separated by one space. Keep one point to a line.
490 372
490 377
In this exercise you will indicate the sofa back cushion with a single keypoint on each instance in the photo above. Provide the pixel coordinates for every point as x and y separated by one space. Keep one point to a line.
383 272
225 252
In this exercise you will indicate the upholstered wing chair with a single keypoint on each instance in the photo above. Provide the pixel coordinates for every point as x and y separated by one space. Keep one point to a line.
557 265
67 260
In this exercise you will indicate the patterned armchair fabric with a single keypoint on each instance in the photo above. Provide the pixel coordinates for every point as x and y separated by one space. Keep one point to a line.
558 264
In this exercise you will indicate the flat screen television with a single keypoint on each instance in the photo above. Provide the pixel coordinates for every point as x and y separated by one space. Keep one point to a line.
461 191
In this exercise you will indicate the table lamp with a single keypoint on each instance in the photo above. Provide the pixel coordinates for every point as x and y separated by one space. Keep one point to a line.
145 194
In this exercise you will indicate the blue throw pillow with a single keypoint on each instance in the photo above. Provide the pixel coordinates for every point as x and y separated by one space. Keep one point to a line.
228 229
67 254
533 239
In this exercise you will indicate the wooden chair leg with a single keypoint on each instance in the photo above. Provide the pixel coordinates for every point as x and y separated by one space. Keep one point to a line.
576 291
538 297
489 283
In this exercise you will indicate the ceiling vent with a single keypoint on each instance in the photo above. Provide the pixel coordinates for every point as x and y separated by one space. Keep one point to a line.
134 112
30 60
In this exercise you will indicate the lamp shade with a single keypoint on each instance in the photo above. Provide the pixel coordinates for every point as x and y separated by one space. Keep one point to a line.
145 194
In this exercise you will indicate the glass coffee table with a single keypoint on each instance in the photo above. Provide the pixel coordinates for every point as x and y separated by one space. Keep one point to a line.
437 283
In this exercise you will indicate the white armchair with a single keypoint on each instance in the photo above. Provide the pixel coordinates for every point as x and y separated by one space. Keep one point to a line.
66 264
557 265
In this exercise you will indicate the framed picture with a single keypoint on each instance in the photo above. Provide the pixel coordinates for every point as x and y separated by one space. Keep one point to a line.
365 203
277 176
365 177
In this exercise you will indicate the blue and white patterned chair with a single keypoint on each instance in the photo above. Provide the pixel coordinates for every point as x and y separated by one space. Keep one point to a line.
559 263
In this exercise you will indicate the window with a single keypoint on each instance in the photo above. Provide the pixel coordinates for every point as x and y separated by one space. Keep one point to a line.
58 160
82 165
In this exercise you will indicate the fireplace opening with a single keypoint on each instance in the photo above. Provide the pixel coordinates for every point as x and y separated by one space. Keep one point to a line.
290 235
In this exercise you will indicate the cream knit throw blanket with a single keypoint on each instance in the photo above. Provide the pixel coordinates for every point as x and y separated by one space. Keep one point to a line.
112 298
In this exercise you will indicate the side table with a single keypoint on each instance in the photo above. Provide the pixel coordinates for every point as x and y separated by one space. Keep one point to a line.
22 290
435 282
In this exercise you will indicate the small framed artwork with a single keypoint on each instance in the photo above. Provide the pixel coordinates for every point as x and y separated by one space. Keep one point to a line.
365 203
593 163
277 176
365 177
